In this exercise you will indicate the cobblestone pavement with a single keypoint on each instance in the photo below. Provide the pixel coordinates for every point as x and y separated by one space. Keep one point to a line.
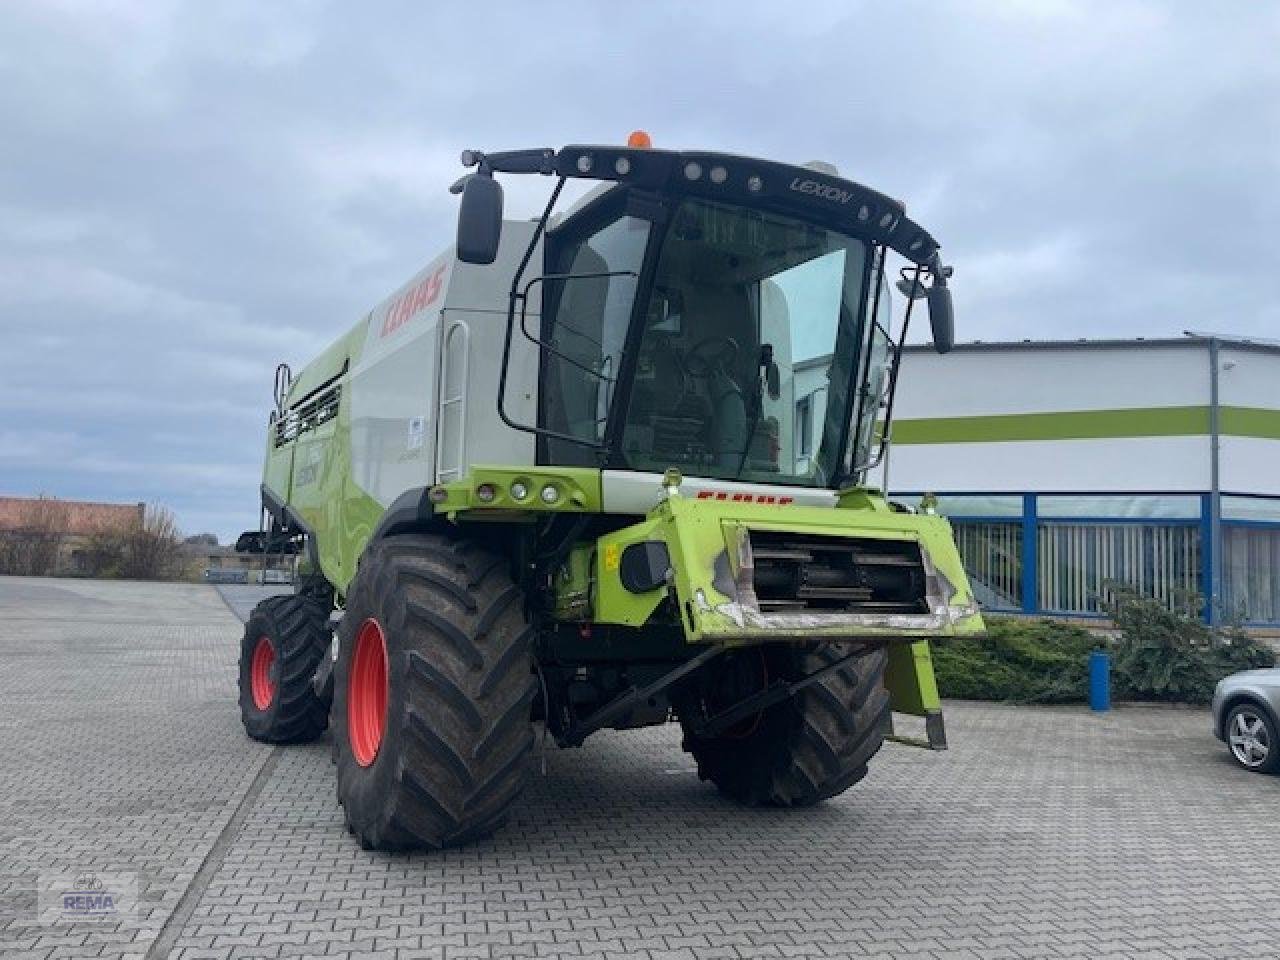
1041 833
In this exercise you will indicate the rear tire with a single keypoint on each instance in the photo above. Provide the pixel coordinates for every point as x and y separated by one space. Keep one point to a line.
433 693
810 747
285 638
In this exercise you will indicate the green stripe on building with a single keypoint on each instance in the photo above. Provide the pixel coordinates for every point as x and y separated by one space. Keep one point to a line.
1089 425
1250 422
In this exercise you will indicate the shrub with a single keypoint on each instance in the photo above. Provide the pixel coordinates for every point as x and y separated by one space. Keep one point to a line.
1159 654
149 550
32 548
1171 655
1025 661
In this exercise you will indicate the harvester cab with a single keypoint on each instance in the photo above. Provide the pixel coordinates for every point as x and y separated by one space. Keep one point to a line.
607 468
729 243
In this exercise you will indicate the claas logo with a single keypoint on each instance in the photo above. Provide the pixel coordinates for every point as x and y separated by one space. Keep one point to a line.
417 299
745 497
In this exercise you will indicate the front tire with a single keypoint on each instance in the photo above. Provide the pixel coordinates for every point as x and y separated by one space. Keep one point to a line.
1252 738
433 693
809 747
285 638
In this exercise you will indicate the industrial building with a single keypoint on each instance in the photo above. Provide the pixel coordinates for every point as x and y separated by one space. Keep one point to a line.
47 536
1066 465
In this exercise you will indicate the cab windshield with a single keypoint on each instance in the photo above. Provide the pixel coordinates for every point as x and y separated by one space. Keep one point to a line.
730 379
747 354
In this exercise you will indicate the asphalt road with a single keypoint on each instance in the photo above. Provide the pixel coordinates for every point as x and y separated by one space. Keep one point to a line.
1041 833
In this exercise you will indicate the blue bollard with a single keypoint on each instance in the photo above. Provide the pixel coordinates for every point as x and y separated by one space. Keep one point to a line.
1100 680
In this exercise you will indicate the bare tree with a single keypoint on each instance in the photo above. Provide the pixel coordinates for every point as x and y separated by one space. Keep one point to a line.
103 552
33 547
153 548
146 549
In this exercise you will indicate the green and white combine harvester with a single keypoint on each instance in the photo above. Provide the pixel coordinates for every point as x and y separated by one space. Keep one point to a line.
603 469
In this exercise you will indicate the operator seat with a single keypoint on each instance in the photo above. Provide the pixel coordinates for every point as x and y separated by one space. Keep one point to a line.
724 311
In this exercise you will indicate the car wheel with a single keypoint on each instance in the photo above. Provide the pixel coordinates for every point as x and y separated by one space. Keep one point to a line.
1251 735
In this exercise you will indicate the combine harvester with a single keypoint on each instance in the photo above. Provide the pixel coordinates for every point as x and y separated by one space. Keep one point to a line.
602 470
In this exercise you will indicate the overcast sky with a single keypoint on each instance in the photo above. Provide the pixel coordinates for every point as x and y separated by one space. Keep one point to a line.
191 193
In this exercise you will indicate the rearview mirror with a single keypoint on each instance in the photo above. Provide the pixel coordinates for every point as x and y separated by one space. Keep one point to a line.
479 219
940 317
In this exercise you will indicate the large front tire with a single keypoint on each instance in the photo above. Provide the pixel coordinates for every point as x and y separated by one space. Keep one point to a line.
433 693
807 748
285 638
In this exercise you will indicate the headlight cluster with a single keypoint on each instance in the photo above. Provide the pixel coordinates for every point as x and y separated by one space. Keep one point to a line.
588 164
718 175
519 491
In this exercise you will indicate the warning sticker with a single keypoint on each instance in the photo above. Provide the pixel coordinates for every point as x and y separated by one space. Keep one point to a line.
417 432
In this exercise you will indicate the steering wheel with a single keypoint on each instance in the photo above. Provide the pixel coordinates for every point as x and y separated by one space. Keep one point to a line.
711 354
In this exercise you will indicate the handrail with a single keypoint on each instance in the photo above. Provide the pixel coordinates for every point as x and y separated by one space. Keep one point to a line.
459 328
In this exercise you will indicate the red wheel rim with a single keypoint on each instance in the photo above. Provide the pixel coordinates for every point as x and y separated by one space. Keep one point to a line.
367 696
261 685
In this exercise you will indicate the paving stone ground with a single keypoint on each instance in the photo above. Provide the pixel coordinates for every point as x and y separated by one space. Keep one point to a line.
1041 833
242 598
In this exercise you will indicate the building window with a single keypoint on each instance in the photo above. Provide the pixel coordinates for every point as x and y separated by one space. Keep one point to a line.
1078 560
959 506
992 556
1251 574
804 427
1256 509
1153 507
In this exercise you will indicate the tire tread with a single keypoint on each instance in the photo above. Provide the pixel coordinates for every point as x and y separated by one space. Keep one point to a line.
812 747
299 631
462 691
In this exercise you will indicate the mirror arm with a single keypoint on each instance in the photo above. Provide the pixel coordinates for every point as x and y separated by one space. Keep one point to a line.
939 273
538 160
